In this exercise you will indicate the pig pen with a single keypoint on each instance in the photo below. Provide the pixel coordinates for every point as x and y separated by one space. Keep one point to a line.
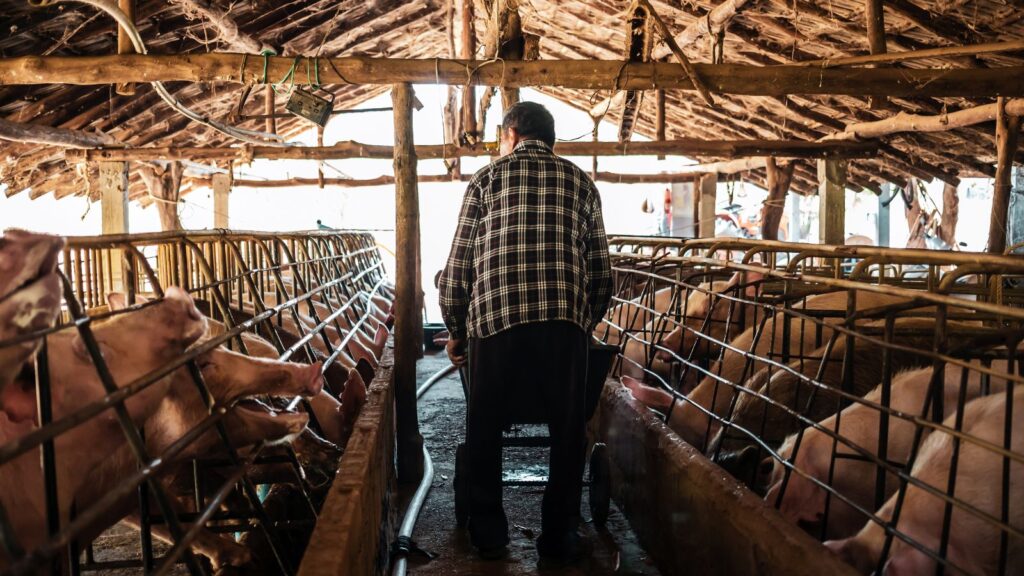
776 396
196 408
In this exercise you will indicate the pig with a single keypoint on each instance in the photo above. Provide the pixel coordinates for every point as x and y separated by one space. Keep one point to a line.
662 333
804 501
30 295
772 424
973 542
133 344
694 426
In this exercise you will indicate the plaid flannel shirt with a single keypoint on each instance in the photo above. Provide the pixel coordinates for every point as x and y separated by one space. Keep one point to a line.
530 246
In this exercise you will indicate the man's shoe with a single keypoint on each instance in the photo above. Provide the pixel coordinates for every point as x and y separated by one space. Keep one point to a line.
561 549
492 553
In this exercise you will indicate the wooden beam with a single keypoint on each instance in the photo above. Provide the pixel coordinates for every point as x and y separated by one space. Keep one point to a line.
386 180
707 192
832 202
124 44
408 319
221 184
585 74
344 150
268 110
779 178
50 136
1007 129
728 166
904 122
950 215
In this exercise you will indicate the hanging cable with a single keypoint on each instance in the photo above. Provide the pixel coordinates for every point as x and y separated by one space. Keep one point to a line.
249 136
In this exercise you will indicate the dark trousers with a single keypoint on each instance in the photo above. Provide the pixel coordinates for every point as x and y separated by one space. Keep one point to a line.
540 367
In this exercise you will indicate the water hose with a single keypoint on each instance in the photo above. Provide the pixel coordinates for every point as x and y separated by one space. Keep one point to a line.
404 541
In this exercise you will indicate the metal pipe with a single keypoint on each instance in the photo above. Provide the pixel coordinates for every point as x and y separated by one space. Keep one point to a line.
412 513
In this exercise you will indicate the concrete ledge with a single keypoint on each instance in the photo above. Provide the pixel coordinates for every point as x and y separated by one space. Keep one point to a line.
690 515
357 519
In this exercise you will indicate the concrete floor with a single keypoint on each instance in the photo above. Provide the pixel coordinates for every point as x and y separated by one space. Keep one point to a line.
442 423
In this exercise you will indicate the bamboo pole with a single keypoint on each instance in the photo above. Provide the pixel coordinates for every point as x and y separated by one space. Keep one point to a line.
344 150
583 74
1007 129
407 318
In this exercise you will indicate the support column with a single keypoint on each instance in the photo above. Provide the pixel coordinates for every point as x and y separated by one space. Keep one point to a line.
221 196
113 185
1007 127
883 214
124 44
832 199
407 285
706 214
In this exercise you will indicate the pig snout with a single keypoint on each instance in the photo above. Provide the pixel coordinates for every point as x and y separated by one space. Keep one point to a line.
672 343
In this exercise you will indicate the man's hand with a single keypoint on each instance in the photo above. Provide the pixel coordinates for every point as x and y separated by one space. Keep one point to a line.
456 349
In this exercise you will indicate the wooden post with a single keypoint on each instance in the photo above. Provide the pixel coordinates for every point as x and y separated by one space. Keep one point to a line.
467 49
883 214
779 179
124 44
832 198
407 285
875 17
268 109
113 185
1007 128
659 117
706 214
221 205
950 215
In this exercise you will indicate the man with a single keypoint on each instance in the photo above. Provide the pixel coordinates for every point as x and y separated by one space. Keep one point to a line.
527 280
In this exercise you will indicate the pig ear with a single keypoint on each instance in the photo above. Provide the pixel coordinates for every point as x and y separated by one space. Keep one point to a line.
117 300
750 282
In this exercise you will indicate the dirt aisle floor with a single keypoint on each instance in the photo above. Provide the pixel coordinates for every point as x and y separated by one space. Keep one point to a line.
442 423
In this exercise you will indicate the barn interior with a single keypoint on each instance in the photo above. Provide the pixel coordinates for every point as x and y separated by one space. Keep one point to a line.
796 390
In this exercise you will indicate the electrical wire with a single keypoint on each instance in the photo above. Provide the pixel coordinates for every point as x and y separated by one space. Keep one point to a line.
249 136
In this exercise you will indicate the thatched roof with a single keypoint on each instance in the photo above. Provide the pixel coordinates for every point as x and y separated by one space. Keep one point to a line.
763 32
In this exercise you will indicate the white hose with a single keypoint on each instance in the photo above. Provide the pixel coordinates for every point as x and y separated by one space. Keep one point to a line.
413 512
249 136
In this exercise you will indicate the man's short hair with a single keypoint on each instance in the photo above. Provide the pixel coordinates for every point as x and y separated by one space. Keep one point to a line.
532 121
